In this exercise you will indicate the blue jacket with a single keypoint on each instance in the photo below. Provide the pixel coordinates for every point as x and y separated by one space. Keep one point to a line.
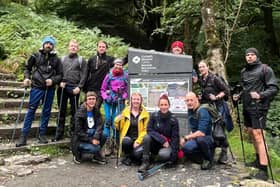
200 120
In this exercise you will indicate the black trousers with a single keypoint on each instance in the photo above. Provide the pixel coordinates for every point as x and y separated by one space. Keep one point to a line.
63 94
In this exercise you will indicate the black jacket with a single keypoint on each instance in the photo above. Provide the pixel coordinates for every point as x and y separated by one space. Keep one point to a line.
260 78
42 66
160 128
212 85
81 127
98 66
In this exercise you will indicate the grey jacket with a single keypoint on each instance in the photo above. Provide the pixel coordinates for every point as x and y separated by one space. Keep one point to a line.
74 70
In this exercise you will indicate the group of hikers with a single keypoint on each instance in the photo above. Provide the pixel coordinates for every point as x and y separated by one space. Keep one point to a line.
138 136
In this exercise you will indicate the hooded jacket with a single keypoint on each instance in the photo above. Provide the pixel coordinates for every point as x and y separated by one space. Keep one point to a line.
42 66
122 124
165 127
260 78
81 127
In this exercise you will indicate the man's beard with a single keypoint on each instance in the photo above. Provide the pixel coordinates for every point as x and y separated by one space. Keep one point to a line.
48 49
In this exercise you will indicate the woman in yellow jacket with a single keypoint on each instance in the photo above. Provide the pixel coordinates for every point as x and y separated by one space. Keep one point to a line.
132 126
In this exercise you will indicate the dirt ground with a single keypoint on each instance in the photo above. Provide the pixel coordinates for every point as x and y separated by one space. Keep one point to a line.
88 174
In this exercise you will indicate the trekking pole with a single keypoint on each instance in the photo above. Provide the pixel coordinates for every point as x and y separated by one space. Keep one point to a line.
118 147
266 149
19 112
240 131
231 153
43 105
60 103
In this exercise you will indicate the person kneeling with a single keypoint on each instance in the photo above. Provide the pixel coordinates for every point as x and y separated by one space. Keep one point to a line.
200 142
132 125
88 138
162 136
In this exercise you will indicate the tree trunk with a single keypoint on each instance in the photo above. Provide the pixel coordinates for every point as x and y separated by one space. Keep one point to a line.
212 40
269 28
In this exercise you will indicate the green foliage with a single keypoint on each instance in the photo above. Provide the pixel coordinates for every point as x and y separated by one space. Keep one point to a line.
235 143
52 150
21 32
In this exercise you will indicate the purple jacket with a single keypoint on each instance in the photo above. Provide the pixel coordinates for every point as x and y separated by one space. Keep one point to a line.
114 87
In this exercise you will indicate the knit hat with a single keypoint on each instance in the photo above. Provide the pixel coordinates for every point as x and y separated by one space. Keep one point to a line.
177 44
49 39
118 61
252 50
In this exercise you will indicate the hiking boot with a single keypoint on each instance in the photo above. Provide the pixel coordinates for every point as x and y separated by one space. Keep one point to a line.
261 175
145 164
22 141
108 149
98 158
76 160
126 161
254 164
43 139
223 158
206 164
57 138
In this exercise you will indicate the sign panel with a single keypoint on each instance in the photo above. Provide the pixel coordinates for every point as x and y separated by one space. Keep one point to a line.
151 90
154 62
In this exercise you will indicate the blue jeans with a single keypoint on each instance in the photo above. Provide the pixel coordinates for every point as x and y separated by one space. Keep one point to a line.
37 95
202 145
86 147
111 110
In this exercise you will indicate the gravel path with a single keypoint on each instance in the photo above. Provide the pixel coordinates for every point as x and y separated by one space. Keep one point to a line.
63 172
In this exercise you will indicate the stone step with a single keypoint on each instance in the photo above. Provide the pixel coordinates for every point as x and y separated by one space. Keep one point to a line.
6 132
9 83
11 92
4 76
13 103
10 116
31 144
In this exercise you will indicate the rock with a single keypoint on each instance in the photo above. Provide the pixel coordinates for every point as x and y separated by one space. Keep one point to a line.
256 183
23 172
2 162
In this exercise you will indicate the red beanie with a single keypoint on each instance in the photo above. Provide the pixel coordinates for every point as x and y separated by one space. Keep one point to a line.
177 44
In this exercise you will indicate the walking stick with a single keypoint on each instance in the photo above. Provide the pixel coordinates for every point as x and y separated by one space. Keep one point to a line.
19 112
266 149
44 102
240 131
58 116
118 147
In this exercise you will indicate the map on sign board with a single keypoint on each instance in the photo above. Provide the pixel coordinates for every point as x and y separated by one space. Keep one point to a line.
152 89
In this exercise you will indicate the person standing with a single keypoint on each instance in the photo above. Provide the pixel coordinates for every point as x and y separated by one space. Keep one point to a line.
88 137
114 91
199 143
132 125
213 91
162 136
74 77
259 87
177 48
46 71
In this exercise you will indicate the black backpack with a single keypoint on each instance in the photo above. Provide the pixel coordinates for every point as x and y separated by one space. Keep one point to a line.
218 124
